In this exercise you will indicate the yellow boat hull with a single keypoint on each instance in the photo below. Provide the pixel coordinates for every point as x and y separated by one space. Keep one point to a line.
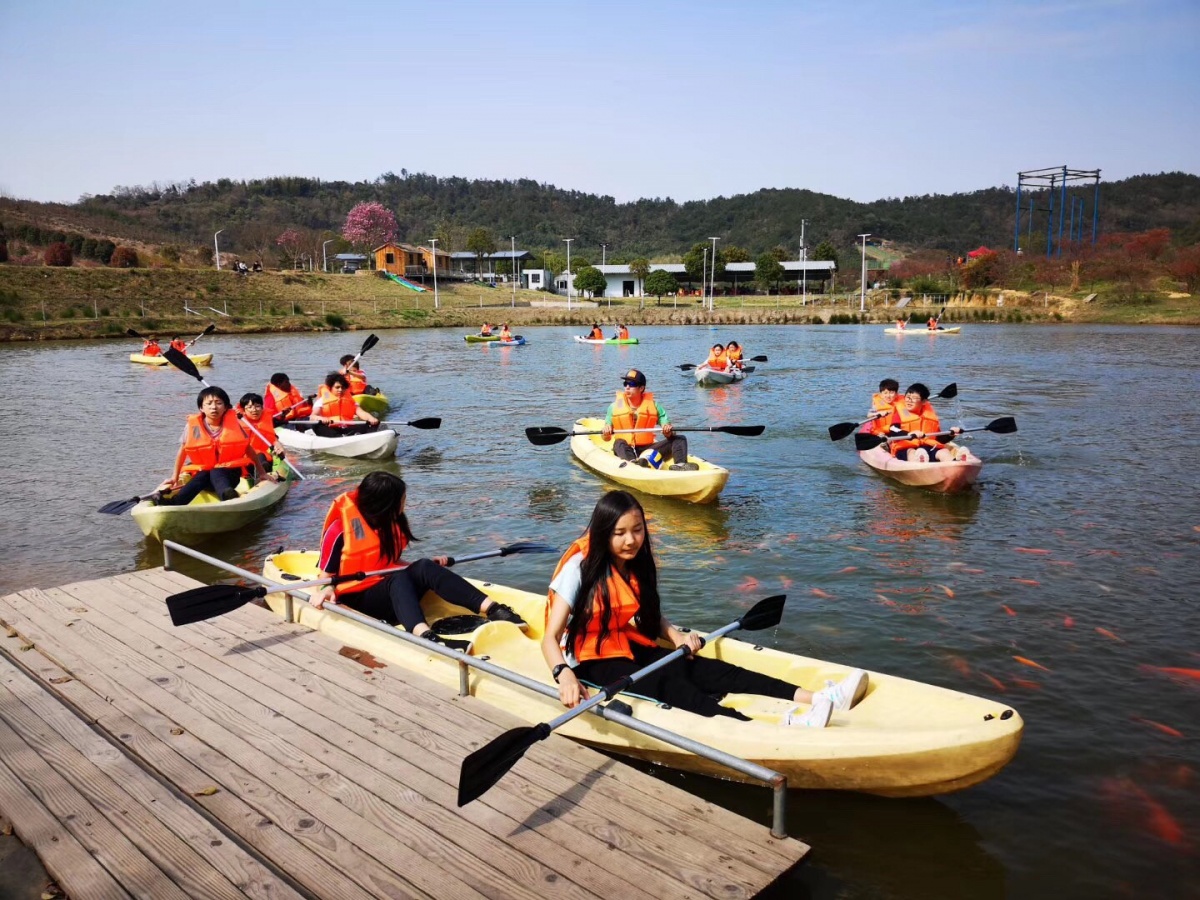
200 359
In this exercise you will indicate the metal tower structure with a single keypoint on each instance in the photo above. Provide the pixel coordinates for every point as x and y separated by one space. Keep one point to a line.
1057 182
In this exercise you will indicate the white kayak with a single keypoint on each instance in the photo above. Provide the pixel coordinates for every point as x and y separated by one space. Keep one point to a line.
944 477
707 377
368 445
954 329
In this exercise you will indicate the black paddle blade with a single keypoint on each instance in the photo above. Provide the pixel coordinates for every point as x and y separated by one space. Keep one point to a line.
132 333
487 765
842 430
120 507
759 359
182 363
526 547
741 430
687 367
949 392
1003 425
212 326
766 613
868 441
545 435
370 342
425 423
209 601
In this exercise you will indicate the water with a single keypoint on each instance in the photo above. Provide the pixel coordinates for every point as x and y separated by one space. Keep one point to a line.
1079 550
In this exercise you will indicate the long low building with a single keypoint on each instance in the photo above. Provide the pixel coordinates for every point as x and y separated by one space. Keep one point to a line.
816 274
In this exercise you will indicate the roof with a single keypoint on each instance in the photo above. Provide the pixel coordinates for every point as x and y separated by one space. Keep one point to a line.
350 257
673 268
812 265
499 254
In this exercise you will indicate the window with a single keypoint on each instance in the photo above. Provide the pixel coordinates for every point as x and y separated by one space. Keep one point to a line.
391 259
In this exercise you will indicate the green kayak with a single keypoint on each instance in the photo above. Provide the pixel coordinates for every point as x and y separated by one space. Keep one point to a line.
480 338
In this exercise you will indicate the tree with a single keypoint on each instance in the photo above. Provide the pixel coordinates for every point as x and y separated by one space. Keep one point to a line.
104 250
826 251
733 254
445 236
481 242
659 283
592 280
293 242
369 225
639 269
58 254
767 271
3 244
1186 267
694 262
554 261
124 258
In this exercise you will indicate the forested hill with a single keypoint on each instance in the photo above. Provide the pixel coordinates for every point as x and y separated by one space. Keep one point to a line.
541 215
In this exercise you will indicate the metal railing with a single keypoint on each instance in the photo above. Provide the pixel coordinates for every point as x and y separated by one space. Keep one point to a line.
774 780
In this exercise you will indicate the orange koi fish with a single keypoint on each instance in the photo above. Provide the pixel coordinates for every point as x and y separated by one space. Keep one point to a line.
1162 824
1109 634
1175 671
1068 622
1165 729
1027 581
1029 662
961 666
994 682
1030 550
785 581
1008 609
817 592
848 570
973 571
1028 685
750 583
949 593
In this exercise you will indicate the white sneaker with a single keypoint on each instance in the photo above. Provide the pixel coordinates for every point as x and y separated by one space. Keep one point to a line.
962 454
918 455
817 715
847 692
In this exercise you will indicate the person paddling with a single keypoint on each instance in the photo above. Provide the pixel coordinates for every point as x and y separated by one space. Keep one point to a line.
622 332
604 620
717 361
355 376
366 529
150 347
179 344
635 407
282 400
933 322
335 405
733 355
883 406
505 334
485 330
267 450
597 333
916 418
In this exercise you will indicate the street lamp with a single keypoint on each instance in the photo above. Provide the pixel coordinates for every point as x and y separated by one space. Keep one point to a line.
217 250
603 254
803 266
712 282
513 265
433 243
862 304
324 258
567 241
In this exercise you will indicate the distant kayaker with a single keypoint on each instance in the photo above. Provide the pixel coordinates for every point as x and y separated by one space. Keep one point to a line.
356 377
282 400
604 618
916 418
884 405
717 360
635 407
733 355
597 333
215 448
366 529
150 347
336 404
505 334
179 344
622 332
269 450
901 324
933 322
485 330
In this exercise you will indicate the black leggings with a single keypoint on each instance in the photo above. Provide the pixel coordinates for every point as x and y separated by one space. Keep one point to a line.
216 480
695 684
398 597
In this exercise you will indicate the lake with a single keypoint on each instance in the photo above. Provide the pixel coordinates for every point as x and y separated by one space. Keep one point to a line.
1067 582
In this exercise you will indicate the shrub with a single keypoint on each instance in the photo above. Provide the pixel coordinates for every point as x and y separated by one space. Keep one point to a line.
13 315
170 253
335 321
104 250
3 249
75 242
88 248
104 312
69 312
124 258
58 254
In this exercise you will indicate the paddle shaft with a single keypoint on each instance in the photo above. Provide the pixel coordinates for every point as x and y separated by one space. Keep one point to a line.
370 342
209 330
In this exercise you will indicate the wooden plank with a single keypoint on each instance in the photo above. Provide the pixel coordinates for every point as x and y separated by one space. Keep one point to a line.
176 837
251 775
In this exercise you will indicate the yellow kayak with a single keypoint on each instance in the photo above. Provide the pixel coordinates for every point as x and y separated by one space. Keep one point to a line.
375 404
904 739
208 515
200 359
701 486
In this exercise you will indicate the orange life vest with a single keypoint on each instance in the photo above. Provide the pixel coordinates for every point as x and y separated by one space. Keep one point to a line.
622 630
933 324
181 346
486 330
300 408
358 381
266 428
717 362
360 553
227 451
623 333
341 409
923 419
597 334
734 356
151 348
881 424
505 334
645 416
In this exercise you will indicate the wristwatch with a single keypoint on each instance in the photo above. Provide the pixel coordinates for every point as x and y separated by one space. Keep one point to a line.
557 670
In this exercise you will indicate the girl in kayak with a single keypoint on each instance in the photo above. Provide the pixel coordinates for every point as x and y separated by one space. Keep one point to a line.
604 618
733 355
365 530
717 361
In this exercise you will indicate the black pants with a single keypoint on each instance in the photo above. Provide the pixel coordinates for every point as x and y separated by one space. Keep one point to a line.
676 449
694 684
323 430
216 480
398 597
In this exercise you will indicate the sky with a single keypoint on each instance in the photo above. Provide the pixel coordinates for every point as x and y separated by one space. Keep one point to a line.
691 101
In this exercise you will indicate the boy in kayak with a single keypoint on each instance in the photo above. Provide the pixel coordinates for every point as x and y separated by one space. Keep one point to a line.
283 400
356 377
635 407
150 347
717 361
335 405
485 330
916 418
884 405
597 333
265 452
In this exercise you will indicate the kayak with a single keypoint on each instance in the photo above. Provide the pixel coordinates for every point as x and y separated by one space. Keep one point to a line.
952 330
368 445
944 477
583 340
700 486
375 404
904 739
517 341
200 359
707 377
480 338
208 515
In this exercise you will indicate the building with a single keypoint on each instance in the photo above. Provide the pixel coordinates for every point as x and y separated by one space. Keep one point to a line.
622 283
349 262
464 264
537 279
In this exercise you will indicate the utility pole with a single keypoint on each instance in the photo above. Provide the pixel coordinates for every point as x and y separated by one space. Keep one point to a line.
862 304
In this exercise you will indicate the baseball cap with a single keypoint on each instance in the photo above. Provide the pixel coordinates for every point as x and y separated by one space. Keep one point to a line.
634 377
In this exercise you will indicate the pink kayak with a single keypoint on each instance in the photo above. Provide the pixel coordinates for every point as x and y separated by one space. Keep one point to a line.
944 477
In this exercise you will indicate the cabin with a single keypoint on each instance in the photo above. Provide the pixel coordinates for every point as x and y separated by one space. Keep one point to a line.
404 260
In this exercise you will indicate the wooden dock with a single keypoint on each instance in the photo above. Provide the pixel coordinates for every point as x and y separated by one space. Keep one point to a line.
244 756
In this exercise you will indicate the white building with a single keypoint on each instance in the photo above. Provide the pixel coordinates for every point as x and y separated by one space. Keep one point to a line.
622 283
536 279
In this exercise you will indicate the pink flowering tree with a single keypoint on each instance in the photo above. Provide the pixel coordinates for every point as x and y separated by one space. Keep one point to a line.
369 225
292 241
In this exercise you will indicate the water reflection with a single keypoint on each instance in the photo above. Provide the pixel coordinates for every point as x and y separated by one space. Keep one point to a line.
894 514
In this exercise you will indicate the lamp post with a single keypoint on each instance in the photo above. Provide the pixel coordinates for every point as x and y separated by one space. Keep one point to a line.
603 254
803 266
712 282
567 241
324 258
513 264
433 243
703 277
217 250
862 304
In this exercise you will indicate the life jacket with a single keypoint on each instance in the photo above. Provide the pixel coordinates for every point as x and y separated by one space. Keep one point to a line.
881 424
486 330
358 381
181 346
300 408
341 409
266 428
734 357
360 552
151 348
645 416
623 334
933 324
622 631
227 451
505 334
597 334
718 362
924 419
901 323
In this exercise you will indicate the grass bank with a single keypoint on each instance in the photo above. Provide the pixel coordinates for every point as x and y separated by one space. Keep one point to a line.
43 303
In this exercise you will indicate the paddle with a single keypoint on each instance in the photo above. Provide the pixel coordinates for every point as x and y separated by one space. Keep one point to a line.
431 422
120 507
487 765
213 600
280 416
937 320
1003 425
545 435
845 429
370 342
687 367
185 365
209 330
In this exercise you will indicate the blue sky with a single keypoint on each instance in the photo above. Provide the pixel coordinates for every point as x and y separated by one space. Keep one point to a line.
631 99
